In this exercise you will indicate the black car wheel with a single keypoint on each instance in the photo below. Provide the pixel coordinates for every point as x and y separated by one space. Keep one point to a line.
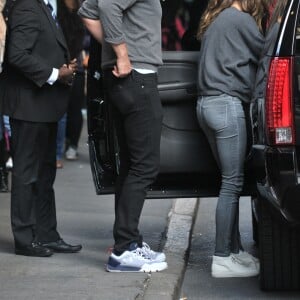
254 220
279 248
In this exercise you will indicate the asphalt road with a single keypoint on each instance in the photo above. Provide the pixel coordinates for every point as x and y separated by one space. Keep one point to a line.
198 283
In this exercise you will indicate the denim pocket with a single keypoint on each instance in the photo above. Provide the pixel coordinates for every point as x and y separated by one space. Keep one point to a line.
215 115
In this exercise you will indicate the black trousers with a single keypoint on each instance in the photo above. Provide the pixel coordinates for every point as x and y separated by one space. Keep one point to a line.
74 115
33 213
137 113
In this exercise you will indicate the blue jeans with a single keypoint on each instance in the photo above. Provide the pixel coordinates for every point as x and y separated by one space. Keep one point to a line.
61 135
222 119
4 126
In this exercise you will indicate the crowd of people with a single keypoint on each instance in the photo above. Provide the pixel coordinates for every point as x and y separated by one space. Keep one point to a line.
42 93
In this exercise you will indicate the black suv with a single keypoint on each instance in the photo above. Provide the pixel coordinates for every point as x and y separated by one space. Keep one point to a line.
187 166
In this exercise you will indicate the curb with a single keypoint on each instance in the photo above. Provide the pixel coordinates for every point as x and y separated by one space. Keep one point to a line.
166 285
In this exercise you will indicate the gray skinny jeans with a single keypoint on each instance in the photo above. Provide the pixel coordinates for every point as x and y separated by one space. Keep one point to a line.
222 119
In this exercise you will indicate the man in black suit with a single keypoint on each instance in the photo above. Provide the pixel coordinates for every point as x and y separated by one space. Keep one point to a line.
34 90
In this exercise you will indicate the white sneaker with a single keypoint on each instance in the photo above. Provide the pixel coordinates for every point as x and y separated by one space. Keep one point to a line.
9 163
230 266
71 153
155 256
247 258
134 261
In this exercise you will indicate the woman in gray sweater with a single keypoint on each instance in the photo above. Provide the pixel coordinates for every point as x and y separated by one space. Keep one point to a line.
231 43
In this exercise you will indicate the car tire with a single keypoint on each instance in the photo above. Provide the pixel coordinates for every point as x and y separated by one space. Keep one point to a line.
254 221
279 252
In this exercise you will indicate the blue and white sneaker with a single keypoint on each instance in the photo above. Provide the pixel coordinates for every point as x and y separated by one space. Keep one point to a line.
135 260
155 256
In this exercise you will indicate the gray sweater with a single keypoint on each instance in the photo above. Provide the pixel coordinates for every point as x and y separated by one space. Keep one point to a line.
135 22
264 63
229 55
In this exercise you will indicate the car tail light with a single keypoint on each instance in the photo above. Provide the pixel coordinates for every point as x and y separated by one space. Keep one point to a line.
279 102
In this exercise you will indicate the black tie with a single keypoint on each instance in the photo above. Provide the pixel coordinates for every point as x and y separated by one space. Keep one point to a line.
52 13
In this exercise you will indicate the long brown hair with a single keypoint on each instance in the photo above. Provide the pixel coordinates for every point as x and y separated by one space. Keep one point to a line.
256 8
277 12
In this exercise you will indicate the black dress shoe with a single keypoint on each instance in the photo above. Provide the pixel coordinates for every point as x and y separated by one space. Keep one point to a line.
34 249
62 247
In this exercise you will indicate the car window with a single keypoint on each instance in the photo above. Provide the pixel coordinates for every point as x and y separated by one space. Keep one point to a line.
297 53
297 49
179 24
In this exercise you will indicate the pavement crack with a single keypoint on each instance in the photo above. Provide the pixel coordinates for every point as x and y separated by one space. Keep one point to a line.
146 282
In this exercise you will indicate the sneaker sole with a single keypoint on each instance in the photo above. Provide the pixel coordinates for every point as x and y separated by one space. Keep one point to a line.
228 275
147 268
24 253
71 158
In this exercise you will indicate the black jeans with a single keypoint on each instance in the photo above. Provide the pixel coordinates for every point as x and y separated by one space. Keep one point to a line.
137 113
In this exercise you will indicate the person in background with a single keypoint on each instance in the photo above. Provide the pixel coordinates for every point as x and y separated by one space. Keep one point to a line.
3 152
34 87
94 72
231 44
2 32
75 34
74 115
61 125
3 171
71 122
60 141
7 137
131 54
7 131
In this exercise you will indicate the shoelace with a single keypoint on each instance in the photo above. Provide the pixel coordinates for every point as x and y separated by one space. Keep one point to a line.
142 253
235 260
243 262
146 248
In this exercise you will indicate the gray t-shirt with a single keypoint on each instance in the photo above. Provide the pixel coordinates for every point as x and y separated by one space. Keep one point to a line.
229 55
135 22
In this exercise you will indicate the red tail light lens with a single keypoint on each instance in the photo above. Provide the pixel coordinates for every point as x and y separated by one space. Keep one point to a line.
279 102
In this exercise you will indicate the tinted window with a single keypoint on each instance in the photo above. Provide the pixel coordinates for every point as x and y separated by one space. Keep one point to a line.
298 37
179 24
297 54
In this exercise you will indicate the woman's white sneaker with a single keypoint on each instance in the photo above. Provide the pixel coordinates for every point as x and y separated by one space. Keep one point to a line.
247 258
230 266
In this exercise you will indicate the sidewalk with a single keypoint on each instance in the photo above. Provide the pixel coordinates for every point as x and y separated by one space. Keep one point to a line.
198 284
84 217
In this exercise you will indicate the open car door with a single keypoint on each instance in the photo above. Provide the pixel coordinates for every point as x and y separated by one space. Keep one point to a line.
187 167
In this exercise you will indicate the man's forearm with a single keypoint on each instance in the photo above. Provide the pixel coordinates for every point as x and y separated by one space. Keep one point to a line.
123 65
94 27
120 50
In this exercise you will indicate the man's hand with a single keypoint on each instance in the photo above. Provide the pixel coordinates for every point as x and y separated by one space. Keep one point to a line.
66 73
73 65
123 67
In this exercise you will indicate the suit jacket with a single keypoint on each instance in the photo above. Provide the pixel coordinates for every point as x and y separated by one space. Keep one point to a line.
34 46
